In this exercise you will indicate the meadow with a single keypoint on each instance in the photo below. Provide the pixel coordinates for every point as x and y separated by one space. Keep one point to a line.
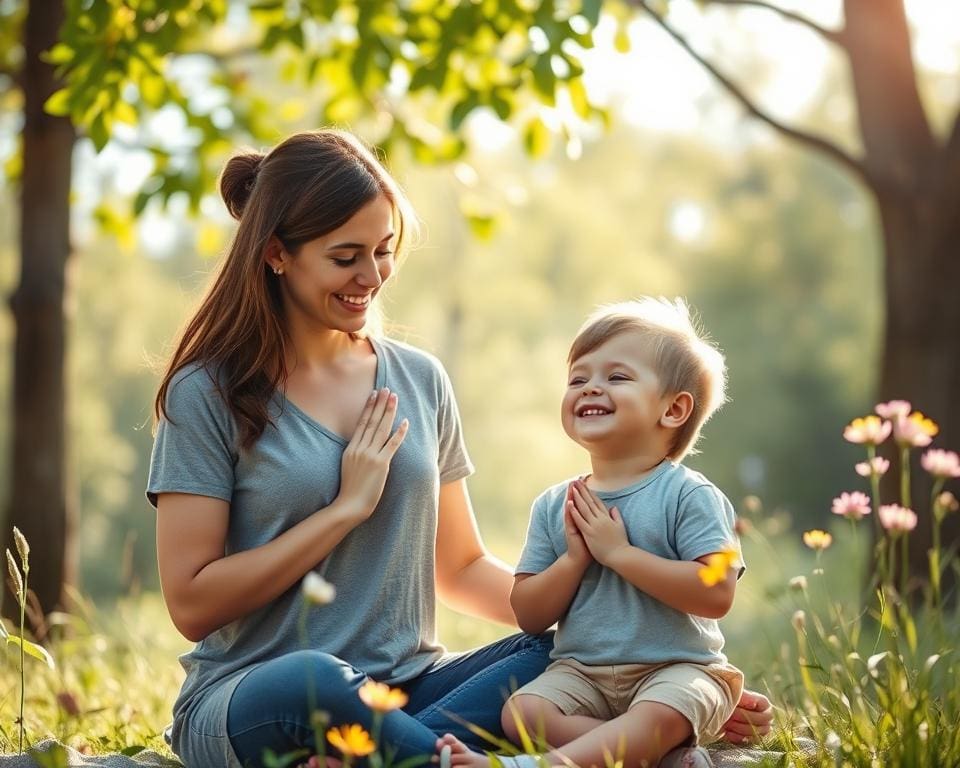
867 668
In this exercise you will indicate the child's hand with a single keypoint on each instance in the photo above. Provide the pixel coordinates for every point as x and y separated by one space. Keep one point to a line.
602 530
577 549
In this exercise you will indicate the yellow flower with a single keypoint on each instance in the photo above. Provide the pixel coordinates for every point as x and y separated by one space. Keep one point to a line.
351 740
817 539
717 566
380 697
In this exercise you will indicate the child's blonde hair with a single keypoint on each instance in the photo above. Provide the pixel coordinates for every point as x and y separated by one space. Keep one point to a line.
683 356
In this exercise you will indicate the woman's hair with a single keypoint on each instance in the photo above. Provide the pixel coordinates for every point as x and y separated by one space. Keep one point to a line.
681 354
305 187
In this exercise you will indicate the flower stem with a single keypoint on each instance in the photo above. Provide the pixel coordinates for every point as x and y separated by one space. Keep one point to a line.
905 476
23 612
320 742
934 554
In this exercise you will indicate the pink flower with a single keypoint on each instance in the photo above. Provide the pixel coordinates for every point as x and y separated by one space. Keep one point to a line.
897 519
869 429
941 463
915 430
894 409
852 506
876 466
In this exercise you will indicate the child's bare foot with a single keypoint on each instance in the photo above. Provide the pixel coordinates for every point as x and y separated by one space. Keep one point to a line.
460 754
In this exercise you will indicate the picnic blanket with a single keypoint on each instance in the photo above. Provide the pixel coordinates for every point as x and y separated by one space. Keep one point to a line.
49 753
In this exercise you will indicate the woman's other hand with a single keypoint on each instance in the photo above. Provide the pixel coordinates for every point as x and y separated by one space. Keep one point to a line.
750 720
366 460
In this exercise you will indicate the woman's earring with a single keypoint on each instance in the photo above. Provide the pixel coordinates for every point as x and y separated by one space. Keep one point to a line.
277 271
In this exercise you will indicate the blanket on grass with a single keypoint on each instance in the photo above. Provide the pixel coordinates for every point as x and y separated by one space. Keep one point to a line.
49 753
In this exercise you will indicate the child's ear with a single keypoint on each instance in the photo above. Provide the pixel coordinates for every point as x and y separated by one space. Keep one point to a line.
678 410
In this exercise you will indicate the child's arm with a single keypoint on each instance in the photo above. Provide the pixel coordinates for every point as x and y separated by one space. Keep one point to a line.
540 599
676 583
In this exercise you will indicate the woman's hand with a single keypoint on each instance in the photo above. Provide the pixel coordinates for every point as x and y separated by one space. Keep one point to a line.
366 460
750 720
602 529
577 549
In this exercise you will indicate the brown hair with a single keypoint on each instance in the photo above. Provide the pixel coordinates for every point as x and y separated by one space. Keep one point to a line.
308 185
682 355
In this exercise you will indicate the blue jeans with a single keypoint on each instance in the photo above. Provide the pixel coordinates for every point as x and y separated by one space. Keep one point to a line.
271 706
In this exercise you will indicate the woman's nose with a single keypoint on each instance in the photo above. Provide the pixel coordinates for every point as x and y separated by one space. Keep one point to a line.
369 275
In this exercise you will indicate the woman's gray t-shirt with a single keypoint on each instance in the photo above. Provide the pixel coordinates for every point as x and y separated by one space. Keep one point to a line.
382 621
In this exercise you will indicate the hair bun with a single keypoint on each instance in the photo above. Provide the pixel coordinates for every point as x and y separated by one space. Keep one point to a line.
237 181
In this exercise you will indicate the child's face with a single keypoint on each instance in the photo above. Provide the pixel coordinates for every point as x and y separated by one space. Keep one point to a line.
613 403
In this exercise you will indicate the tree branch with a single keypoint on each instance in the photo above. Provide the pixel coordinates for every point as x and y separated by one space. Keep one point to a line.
824 146
834 36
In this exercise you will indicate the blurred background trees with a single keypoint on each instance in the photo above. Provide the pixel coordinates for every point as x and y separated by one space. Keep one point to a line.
818 279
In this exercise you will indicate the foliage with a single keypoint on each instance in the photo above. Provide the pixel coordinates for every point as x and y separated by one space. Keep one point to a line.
114 681
420 68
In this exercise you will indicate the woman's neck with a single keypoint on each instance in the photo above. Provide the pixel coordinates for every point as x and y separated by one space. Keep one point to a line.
312 349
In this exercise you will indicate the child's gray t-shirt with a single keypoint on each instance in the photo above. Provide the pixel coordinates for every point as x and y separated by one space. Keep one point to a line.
674 513
382 620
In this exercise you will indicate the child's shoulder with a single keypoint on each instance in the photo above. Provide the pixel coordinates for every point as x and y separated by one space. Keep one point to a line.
681 481
553 496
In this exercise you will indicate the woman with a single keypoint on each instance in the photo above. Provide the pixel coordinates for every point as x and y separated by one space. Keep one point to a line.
290 438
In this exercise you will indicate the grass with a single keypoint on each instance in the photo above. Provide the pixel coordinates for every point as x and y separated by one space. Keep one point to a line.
114 681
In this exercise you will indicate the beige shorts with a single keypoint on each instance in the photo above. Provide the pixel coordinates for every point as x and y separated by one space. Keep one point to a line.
705 694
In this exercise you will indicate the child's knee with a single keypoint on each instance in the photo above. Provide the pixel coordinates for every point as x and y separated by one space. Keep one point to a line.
526 713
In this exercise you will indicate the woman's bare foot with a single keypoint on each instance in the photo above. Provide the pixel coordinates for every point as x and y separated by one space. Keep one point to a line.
460 754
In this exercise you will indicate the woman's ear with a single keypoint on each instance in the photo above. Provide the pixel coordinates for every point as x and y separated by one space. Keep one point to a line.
274 255
678 410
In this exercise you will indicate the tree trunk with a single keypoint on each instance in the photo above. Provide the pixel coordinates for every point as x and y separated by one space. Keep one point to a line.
921 361
38 501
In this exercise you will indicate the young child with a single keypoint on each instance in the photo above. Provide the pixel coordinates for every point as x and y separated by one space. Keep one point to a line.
617 557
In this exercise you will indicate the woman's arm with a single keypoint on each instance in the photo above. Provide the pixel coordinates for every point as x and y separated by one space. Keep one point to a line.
468 577
204 590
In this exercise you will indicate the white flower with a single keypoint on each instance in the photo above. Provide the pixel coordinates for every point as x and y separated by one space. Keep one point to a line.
798 583
317 589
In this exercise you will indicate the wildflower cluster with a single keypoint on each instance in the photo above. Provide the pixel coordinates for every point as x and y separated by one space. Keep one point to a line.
898 702
351 740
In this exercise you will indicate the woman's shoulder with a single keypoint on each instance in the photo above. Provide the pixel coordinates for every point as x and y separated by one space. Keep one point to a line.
412 358
192 384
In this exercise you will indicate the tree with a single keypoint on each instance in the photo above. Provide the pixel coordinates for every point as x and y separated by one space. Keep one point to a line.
423 67
39 497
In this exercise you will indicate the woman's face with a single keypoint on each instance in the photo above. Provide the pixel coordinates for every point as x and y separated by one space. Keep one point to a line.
333 279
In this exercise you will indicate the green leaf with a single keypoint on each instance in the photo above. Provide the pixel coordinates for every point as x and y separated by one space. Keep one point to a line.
544 80
591 11
502 104
131 751
61 53
98 131
536 138
59 103
463 108
32 649
483 227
